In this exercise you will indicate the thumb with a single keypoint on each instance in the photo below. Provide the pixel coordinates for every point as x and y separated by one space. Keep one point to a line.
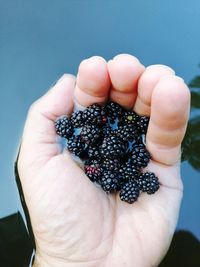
39 141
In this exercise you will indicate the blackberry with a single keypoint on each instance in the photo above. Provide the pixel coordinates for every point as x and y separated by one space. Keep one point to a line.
128 171
93 152
129 117
113 147
93 174
111 144
130 192
111 164
148 182
93 170
143 123
64 127
107 130
93 162
140 156
90 134
75 145
109 181
113 110
77 119
94 114
127 132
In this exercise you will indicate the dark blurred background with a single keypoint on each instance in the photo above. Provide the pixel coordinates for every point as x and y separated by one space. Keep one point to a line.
40 40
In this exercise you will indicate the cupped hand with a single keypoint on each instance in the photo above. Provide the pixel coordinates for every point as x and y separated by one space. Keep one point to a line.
74 222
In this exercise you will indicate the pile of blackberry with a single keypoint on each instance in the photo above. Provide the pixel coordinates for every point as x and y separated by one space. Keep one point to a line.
110 142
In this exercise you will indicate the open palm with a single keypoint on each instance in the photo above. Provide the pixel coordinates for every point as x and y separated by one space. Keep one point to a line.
74 222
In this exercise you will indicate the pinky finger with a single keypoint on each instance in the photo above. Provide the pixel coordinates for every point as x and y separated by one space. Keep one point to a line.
170 106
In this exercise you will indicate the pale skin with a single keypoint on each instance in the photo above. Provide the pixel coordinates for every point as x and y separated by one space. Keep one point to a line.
75 223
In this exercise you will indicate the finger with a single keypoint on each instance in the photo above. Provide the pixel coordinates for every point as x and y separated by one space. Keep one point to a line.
146 84
93 82
39 141
170 105
124 71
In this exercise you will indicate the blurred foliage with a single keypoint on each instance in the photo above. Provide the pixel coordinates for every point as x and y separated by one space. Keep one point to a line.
191 142
195 100
184 251
195 92
195 82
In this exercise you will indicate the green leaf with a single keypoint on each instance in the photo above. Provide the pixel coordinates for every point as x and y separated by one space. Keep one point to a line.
195 83
195 99
191 143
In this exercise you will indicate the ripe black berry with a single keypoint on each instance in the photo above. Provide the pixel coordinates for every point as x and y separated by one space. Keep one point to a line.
94 114
107 130
130 192
75 145
143 123
110 141
109 181
148 182
77 119
113 110
140 156
93 152
113 147
129 117
64 127
93 170
111 164
129 171
93 162
90 134
127 132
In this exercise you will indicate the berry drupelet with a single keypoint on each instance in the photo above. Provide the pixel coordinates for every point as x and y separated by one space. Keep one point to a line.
130 192
64 127
90 134
140 156
113 147
148 182
75 145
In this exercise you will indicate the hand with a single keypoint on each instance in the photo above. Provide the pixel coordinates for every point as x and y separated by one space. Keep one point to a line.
74 222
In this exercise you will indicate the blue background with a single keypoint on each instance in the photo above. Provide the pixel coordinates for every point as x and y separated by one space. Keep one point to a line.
40 40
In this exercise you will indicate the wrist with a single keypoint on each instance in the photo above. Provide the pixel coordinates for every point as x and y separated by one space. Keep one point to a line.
47 261
40 262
